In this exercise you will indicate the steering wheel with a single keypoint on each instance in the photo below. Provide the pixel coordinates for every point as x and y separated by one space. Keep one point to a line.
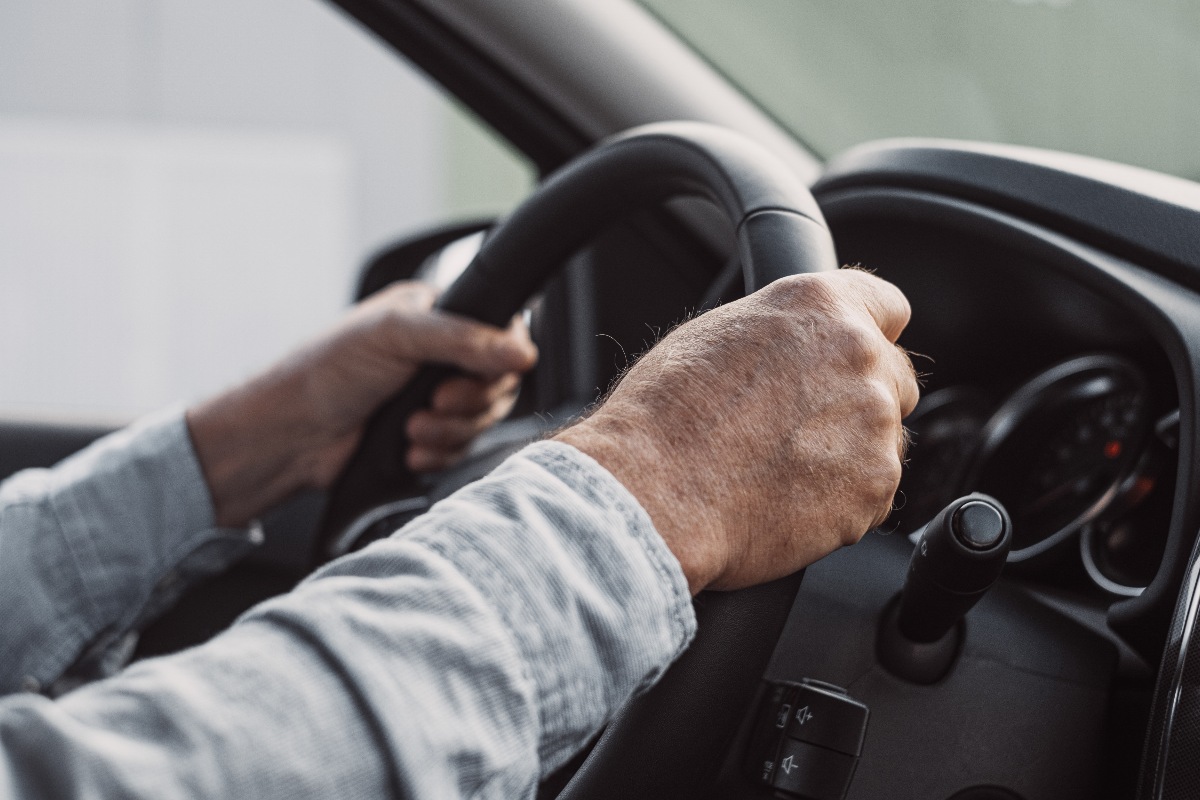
687 720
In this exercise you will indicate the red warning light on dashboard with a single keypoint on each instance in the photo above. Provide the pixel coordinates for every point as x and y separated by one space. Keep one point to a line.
1112 449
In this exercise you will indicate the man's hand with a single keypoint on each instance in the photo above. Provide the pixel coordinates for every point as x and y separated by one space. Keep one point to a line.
767 433
297 424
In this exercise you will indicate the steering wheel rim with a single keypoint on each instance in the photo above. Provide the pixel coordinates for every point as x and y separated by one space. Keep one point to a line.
689 717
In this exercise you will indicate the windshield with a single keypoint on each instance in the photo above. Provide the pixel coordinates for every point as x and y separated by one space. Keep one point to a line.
1117 79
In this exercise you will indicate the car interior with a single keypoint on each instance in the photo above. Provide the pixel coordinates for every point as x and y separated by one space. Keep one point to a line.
1056 329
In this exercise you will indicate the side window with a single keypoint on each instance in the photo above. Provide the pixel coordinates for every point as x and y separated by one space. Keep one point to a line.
188 189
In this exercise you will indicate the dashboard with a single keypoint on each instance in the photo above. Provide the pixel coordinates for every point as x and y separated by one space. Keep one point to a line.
1053 326
1056 372
1059 348
1080 454
1040 390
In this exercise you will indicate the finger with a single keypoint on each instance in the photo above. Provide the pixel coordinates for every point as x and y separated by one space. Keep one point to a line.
908 389
888 500
886 304
438 431
465 396
905 442
883 514
425 459
447 338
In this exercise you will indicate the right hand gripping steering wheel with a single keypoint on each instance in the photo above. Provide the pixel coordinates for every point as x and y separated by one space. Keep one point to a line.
671 740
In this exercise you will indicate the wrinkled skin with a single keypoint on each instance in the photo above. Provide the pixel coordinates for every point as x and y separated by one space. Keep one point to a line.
766 433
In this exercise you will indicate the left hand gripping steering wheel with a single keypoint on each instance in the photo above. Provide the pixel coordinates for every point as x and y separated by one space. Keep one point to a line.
688 719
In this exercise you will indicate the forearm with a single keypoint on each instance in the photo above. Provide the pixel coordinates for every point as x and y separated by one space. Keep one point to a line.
257 445
464 657
94 546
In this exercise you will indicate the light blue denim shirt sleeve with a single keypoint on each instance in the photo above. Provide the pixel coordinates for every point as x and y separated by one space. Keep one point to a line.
96 546
466 656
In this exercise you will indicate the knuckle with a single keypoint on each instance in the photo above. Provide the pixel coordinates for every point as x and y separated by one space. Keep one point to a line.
904 308
883 406
880 465
882 478
893 296
858 346
775 327
851 536
802 291
859 283
893 470
876 412
879 500
909 385
864 283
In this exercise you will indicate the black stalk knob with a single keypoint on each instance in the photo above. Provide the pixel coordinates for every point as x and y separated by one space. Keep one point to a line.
959 556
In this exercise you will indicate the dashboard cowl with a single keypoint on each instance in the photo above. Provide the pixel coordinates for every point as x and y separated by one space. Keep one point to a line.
1144 216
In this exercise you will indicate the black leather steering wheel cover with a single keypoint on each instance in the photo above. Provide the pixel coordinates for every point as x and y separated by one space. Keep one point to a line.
780 229
637 169
671 740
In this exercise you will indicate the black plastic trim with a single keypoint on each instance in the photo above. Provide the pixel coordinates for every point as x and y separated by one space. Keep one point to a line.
1142 216
400 260
1155 621
1170 316
1160 735
636 169
25 444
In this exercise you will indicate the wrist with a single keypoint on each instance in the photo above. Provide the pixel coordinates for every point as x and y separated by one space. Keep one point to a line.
668 491
250 445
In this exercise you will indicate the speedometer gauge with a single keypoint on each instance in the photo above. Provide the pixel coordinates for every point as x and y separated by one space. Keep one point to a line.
1057 451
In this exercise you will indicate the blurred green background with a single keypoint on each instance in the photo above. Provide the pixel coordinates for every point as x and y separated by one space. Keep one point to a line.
1117 79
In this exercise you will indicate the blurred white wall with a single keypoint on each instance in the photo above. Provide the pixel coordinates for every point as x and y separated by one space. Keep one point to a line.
140 265
187 189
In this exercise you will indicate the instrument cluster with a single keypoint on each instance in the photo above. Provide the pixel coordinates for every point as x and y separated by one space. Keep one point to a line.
1080 456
